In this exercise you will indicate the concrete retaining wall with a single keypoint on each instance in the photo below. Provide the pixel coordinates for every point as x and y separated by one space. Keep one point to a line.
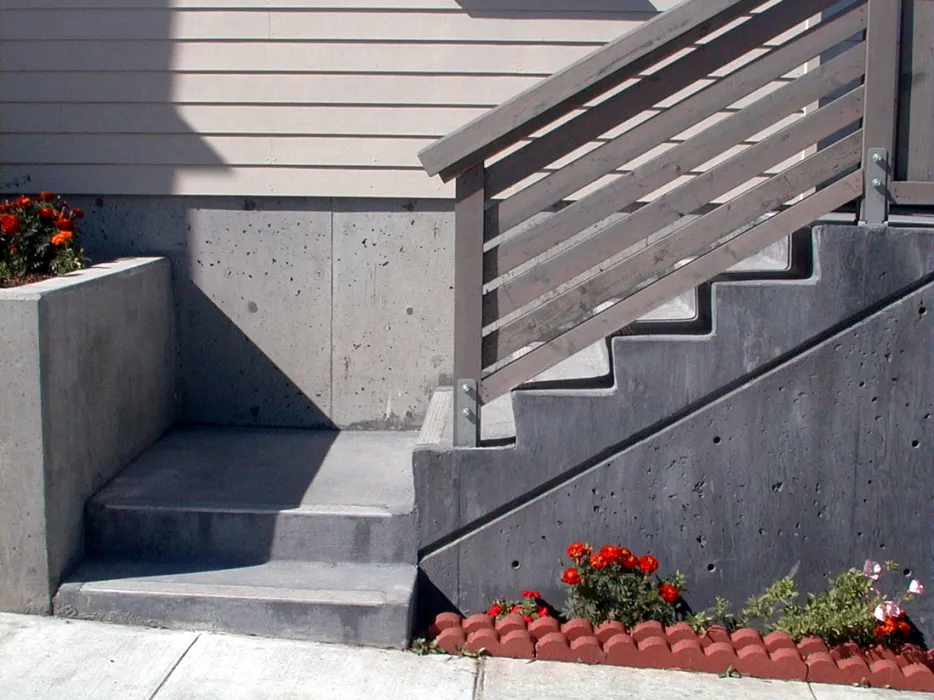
297 312
87 364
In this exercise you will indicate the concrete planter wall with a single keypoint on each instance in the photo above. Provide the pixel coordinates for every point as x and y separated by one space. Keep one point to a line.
87 365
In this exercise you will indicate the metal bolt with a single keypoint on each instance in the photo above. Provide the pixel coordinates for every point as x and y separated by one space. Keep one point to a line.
877 183
465 386
466 413
876 157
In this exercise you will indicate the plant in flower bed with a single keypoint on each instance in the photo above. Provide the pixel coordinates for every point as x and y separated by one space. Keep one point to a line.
38 239
530 608
616 585
851 609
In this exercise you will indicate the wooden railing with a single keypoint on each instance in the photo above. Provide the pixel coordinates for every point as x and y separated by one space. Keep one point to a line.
533 285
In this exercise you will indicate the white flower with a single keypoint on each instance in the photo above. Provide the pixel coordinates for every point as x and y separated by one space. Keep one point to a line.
879 613
915 587
872 569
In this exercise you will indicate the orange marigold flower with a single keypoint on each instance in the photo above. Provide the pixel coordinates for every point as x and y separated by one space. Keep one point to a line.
527 618
64 223
61 238
890 625
648 564
531 594
904 628
610 553
630 561
571 576
515 610
598 562
79 213
668 593
9 223
23 201
880 632
542 611
494 610
47 213
578 551
45 195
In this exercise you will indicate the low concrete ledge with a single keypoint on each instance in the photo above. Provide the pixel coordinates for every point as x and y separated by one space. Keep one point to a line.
87 363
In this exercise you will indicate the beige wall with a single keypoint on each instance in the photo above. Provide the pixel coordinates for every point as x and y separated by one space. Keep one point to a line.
330 98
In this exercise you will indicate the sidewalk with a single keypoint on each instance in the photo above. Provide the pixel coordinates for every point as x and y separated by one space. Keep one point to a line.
48 658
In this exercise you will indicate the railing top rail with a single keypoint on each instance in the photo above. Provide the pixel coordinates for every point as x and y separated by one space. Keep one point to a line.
558 94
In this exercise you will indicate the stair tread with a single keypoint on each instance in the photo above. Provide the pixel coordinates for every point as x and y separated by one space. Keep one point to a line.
297 581
263 470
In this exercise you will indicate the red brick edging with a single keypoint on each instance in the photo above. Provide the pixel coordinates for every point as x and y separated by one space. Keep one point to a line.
650 645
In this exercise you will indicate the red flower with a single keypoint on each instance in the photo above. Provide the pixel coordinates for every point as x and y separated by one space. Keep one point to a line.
515 610
668 593
23 201
531 594
904 628
890 625
648 564
527 618
64 223
610 553
880 632
542 611
4 208
630 561
571 576
9 223
623 553
45 195
61 238
79 213
598 562
47 213
494 611
578 551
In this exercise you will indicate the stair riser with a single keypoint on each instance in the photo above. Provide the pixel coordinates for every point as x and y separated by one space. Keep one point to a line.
386 625
162 535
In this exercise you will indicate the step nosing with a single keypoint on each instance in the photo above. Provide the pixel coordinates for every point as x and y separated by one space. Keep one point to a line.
273 594
228 509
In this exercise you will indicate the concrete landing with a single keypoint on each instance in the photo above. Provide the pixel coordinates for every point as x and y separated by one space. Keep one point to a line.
348 602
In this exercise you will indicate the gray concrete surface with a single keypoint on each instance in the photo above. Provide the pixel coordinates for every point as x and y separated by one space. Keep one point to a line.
88 363
43 659
813 467
254 494
347 602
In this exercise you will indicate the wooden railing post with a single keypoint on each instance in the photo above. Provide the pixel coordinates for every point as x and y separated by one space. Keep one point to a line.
882 71
468 304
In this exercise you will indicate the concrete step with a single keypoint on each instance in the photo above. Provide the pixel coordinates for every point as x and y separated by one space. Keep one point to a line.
348 603
250 495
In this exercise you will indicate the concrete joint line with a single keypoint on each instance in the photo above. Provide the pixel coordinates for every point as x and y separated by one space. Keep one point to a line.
478 679
174 666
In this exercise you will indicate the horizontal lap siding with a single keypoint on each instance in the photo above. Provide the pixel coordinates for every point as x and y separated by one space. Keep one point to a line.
279 97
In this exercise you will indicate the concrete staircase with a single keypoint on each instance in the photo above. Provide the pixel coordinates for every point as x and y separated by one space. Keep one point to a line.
288 533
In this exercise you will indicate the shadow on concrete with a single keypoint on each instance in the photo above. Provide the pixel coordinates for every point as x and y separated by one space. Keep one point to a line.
561 9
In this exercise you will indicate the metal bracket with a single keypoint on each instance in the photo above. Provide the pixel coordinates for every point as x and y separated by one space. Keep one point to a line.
876 194
466 413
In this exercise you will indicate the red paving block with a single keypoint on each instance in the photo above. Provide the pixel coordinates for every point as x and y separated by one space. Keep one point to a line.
689 655
517 644
510 623
644 630
753 660
680 632
746 637
444 621
721 656
553 647
810 645
823 669
788 665
483 639
853 670
452 639
621 650
578 627
542 626
918 677
718 633
588 650
478 622
778 640
606 630
884 672
654 652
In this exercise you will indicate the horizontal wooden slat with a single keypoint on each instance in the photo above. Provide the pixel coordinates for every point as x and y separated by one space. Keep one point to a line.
672 284
666 210
487 135
617 152
676 161
550 319
135 25
913 193
618 108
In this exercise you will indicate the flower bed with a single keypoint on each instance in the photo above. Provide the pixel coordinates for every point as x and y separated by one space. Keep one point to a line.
678 647
621 612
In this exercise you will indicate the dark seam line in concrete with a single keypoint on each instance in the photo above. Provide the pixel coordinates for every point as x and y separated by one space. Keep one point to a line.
695 407
174 666
478 679
331 315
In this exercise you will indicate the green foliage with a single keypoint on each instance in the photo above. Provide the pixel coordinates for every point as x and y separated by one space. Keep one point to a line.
530 608
721 615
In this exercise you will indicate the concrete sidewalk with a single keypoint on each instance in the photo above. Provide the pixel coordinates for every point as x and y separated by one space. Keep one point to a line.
51 658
